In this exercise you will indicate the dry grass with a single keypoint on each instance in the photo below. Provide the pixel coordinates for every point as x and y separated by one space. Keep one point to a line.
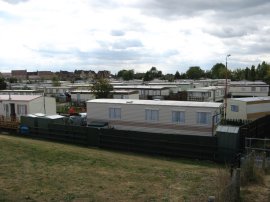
257 192
32 170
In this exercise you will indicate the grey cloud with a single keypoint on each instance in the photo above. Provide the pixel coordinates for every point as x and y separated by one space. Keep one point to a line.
107 56
121 44
169 53
117 33
15 1
124 44
171 8
230 31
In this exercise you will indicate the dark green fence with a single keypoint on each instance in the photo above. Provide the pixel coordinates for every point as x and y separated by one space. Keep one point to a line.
260 128
190 146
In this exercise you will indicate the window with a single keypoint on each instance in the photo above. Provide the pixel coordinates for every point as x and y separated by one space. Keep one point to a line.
21 109
264 89
217 118
6 109
203 117
115 113
253 88
151 115
234 108
178 117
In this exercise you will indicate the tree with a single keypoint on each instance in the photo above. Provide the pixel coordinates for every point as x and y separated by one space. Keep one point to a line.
102 88
195 73
55 81
13 80
152 74
238 74
3 84
177 75
147 77
169 77
252 73
218 71
262 71
247 74
139 75
126 74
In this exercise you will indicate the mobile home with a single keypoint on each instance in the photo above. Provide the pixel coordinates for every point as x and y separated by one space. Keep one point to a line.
249 108
15 106
171 117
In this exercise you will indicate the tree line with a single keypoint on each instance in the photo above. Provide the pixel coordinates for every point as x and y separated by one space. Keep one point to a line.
218 71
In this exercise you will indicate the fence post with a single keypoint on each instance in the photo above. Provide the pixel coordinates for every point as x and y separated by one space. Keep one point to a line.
263 161
211 199
237 183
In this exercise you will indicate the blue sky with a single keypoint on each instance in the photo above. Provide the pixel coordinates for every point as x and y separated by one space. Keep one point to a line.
171 35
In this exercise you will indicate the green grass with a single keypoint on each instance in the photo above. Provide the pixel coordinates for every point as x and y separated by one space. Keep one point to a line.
32 170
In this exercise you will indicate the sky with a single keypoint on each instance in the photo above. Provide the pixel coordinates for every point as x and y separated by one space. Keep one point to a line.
171 35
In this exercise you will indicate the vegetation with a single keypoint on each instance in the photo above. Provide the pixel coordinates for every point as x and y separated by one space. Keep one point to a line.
195 73
12 80
32 170
101 88
218 71
152 74
3 84
56 81
126 74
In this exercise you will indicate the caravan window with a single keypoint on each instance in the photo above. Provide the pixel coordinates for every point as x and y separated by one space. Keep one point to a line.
178 117
234 108
21 109
203 117
151 115
115 113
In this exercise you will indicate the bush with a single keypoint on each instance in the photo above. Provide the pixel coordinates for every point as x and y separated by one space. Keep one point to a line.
250 173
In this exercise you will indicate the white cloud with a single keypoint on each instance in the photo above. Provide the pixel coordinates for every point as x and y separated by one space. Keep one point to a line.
171 35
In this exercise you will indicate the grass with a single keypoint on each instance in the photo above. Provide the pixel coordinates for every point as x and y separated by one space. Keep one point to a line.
32 170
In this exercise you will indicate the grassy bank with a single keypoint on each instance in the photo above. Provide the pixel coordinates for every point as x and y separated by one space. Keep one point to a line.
32 170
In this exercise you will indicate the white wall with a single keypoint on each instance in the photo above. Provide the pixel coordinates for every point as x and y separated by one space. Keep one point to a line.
123 96
83 97
242 112
246 91
133 118
37 106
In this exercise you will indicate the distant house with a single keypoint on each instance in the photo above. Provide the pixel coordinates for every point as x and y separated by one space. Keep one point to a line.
33 76
19 74
6 75
206 94
85 74
248 89
80 86
20 105
125 94
173 117
145 92
55 90
65 75
46 75
248 108
21 92
82 95
104 74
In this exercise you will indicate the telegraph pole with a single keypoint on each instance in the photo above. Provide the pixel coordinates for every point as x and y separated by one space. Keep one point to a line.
226 87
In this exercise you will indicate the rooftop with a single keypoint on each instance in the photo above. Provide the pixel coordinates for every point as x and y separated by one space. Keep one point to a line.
141 87
19 97
252 99
157 102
